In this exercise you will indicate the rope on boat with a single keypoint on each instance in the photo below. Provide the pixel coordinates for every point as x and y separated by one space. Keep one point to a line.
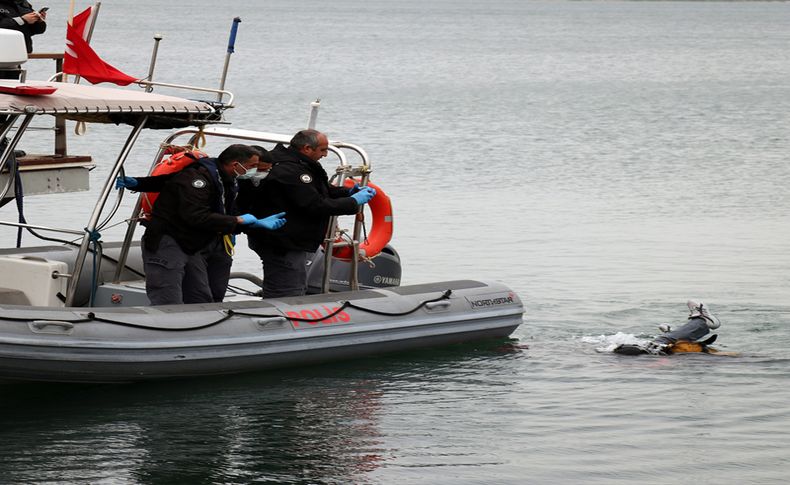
229 313
94 238
19 196
348 304
93 318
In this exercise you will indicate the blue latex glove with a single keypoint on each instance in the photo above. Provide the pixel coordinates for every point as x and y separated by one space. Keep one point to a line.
125 183
364 195
271 223
248 219
353 190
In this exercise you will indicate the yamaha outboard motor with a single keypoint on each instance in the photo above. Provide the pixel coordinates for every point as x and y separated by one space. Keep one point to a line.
382 271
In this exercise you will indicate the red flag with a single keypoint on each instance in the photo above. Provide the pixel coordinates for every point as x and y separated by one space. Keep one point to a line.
81 59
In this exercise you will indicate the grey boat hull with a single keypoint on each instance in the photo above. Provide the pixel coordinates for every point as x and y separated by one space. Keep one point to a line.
143 343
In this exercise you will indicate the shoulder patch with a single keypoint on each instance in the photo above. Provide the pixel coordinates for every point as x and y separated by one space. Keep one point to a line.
198 183
305 178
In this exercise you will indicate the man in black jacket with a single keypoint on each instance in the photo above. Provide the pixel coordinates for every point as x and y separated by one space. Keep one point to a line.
19 15
298 185
184 255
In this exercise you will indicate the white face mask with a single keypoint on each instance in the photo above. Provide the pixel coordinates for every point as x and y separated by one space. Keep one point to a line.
248 173
258 177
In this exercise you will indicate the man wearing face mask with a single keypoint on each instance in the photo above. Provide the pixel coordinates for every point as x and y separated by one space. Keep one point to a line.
264 166
249 187
299 185
184 257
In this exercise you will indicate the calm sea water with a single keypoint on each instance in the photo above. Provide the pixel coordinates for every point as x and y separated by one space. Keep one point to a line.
608 160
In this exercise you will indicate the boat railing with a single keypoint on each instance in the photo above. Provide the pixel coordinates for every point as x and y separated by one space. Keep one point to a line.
221 93
73 232
330 240
91 229
8 150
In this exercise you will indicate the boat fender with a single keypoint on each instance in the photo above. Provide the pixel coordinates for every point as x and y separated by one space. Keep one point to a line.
380 232
173 163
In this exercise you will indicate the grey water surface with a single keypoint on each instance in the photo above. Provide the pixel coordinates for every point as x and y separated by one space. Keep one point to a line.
608 160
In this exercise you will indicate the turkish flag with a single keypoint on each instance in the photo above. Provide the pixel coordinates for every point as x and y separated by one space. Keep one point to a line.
81 59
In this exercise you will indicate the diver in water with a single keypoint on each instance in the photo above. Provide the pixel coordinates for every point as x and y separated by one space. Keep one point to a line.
682 340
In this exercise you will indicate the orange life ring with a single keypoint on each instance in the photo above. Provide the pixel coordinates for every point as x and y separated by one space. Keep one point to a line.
173 163
381 230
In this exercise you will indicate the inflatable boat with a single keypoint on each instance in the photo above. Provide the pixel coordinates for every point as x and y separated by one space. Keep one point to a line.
123 344
73 307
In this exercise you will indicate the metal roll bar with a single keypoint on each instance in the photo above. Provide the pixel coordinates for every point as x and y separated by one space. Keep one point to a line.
329 241
97 210
9 149
42 228
220 92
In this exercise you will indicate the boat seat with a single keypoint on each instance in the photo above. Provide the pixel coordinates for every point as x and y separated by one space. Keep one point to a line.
35 279
12 296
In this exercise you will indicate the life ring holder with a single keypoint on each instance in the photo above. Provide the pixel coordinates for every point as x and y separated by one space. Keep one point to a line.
381 227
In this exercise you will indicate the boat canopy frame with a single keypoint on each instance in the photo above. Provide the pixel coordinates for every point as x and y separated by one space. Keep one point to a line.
96 105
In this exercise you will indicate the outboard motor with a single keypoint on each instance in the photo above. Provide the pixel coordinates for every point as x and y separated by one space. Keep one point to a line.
383 270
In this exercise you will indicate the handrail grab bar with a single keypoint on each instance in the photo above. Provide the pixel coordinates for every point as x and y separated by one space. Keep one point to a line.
42 228
9 149
149 84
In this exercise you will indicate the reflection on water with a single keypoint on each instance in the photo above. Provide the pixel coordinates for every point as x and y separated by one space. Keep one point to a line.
224 430
293 426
